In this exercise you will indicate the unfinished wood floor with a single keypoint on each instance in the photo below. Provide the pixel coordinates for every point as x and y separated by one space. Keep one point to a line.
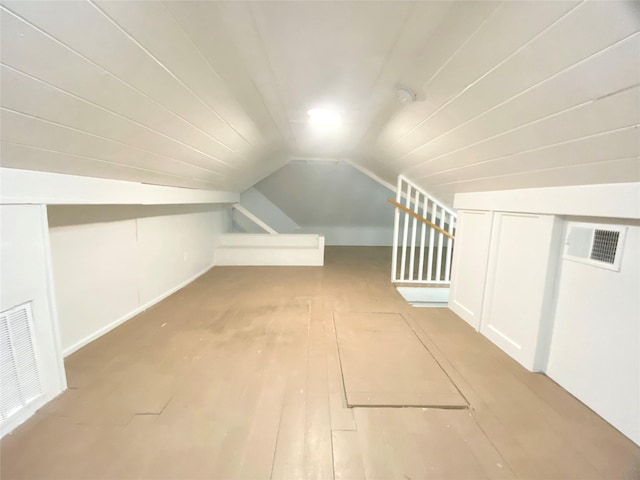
237 376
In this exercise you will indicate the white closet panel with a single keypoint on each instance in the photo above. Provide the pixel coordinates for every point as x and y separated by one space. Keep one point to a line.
470 265
516 315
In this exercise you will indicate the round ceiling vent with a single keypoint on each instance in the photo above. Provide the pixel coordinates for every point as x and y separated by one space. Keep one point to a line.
405 95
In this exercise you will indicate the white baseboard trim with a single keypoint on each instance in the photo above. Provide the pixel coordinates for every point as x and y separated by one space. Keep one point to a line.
78 345
465 314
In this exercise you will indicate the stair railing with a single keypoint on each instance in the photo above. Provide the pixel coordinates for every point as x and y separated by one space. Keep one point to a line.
410 240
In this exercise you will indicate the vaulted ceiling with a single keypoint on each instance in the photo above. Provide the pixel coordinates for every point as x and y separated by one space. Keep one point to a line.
214 94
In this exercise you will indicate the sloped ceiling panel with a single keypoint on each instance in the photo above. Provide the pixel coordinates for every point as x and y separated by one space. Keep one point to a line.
121 90
535 94
214 94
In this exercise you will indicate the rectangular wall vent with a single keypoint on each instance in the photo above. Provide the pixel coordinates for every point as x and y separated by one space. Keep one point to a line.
597 245
605 246
19 374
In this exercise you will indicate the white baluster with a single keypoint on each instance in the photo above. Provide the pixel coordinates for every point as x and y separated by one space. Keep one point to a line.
405 235
427 207
422 239
414 230
434 209
447 268
440 245
396 232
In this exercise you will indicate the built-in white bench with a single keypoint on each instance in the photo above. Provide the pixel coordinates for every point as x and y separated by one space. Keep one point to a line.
250 249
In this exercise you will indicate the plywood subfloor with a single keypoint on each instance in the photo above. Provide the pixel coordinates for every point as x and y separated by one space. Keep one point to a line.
384 364
238 376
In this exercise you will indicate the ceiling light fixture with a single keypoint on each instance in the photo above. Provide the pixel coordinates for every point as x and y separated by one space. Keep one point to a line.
324 116
405 95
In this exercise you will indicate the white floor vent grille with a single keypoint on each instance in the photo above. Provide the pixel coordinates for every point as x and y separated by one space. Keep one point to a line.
19 377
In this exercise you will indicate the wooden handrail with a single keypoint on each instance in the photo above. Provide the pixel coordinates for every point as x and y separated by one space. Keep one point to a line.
421 218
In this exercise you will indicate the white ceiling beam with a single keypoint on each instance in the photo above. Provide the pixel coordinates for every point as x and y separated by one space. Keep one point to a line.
33 187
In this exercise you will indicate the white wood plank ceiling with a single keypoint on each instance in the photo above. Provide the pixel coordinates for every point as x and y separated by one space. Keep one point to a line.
214 94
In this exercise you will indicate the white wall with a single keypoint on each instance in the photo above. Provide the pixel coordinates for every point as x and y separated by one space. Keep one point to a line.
595 350
346 235
111 262
332 199
108 253
593 318
25 277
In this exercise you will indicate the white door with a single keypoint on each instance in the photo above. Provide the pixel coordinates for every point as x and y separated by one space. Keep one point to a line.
519 290
469 270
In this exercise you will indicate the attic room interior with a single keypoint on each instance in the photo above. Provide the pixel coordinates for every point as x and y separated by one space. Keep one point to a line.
381 240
